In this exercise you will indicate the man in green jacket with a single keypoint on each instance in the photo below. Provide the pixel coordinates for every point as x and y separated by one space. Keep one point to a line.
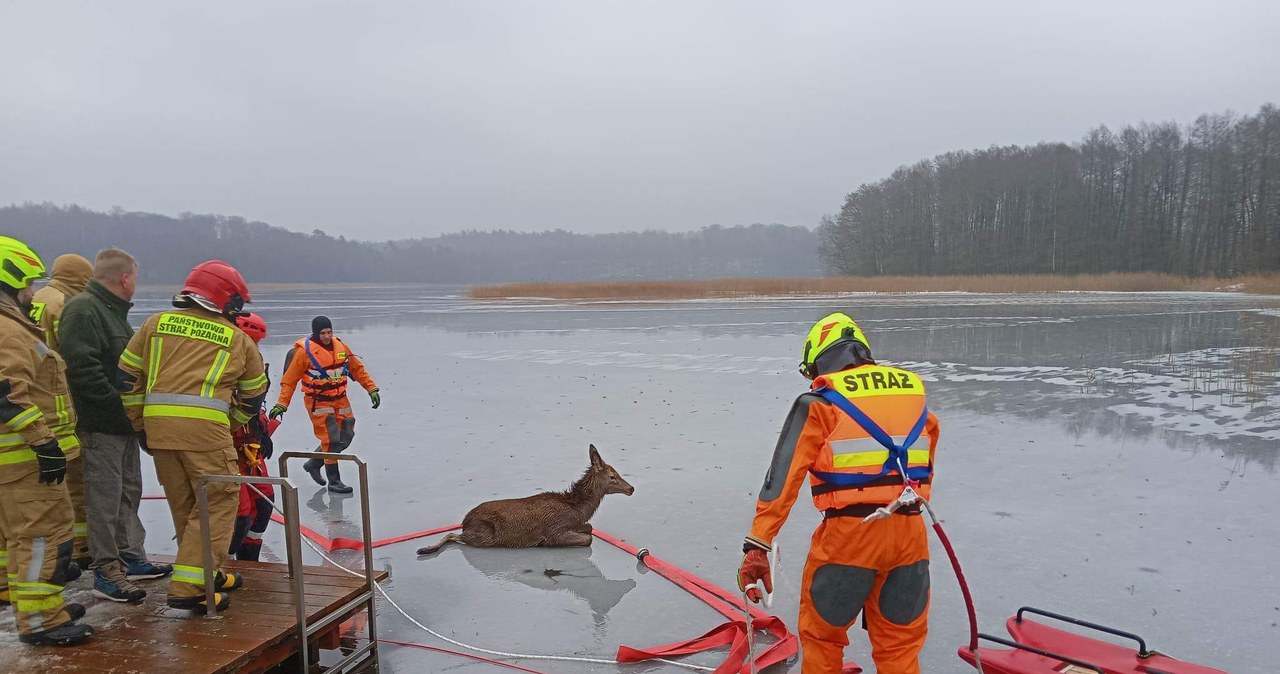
95 329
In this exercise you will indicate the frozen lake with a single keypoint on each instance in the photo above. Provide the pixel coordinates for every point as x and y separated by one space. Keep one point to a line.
1112 456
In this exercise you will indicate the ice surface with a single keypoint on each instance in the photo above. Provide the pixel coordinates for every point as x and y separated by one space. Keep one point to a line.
1110 455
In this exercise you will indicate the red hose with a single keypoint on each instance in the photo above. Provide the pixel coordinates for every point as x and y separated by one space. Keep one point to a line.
964 585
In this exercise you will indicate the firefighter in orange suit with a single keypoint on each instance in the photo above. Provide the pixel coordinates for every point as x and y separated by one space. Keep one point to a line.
37 425
195 377
323 363
865 440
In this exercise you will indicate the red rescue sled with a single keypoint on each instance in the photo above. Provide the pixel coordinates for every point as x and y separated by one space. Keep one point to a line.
1037 648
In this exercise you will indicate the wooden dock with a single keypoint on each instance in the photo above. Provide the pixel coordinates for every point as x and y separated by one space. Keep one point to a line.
256 635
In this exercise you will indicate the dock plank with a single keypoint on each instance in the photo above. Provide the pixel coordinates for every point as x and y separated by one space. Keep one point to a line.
260 627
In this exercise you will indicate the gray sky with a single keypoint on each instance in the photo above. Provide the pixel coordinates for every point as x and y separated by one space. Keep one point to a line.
394 119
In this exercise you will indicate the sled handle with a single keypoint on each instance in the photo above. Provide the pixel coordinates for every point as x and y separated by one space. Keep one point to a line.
1040 651
1142 645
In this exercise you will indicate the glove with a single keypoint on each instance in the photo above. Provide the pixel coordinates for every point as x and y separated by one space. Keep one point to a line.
755 567
277 411
53 463
142 443
265 446
376 397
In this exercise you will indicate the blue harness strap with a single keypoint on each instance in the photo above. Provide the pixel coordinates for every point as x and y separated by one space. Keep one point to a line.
897 453
315 364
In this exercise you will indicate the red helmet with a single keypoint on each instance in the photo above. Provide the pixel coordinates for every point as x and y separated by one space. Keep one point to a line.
216 286
252 325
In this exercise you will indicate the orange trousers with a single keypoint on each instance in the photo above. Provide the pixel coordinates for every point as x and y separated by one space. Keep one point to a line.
879 569
334 425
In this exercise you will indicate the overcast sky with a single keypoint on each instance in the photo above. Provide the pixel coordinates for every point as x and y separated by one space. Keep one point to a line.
394 119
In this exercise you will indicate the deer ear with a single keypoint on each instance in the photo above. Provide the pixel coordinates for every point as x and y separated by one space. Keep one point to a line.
595 457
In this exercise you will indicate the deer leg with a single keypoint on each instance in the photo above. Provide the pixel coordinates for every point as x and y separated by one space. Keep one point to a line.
449 538
568 539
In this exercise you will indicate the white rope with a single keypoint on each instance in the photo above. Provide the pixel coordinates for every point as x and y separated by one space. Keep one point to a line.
521 656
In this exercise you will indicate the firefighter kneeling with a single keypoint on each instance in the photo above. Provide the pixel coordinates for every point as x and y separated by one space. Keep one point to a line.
195 376
863 436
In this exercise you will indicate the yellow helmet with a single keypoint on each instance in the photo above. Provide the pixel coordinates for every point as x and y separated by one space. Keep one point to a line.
830 330
19 265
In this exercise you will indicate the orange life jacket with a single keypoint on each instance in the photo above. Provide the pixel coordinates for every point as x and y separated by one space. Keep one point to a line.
326 375
854 467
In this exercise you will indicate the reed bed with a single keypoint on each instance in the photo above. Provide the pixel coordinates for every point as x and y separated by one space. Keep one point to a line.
831 285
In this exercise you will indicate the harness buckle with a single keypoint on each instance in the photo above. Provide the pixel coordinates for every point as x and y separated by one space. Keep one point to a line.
908 497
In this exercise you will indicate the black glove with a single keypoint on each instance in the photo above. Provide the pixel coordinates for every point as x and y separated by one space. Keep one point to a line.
265 445
53 463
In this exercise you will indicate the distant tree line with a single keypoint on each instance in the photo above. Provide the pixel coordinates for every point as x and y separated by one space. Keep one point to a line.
168 247
1196 200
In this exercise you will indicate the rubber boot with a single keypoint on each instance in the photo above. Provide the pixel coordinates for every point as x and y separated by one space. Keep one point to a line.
335 480
66 634
313 466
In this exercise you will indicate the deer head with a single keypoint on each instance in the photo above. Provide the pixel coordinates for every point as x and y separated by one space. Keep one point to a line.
614 482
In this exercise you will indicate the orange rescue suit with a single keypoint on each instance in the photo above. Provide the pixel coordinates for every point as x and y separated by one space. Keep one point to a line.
323 372
879 568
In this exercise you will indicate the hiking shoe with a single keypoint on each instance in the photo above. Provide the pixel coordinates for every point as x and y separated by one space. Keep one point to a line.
66 634
110 583
141 569
228 581
76 611
221 602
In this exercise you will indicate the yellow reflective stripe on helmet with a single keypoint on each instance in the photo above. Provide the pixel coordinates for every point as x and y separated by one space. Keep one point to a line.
131 359
153 363
24 418
214 375
188 574
191 327
185 412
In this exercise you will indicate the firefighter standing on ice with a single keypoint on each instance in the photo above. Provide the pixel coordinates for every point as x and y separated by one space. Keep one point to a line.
855 434
196 376
322 362
37 425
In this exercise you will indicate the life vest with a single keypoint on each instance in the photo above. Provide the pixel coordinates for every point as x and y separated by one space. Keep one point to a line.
879 436
326 375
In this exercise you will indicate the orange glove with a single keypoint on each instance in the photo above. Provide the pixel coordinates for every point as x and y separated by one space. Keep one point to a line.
755 567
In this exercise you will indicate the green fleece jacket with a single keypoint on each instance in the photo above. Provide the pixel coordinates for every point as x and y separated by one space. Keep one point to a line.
94 330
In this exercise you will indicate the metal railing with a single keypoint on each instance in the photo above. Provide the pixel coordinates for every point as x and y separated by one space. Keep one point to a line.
293 553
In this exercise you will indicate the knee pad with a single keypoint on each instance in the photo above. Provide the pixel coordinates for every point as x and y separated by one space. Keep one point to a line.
837 592
905 593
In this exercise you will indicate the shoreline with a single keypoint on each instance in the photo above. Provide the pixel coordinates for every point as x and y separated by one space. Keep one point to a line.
1253 284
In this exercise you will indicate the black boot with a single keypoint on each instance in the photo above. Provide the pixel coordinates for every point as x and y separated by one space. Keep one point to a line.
66 634
313 466
335 480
